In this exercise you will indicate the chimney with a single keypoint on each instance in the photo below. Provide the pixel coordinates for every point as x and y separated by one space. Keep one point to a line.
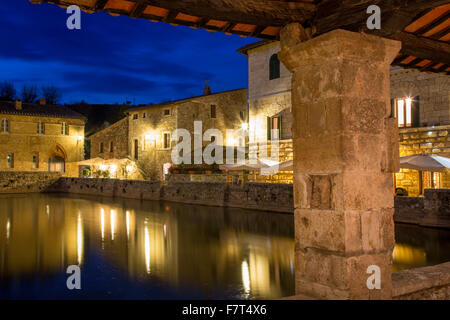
42 101
18 104
207 89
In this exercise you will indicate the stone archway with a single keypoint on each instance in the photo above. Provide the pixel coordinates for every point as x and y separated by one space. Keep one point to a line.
57 160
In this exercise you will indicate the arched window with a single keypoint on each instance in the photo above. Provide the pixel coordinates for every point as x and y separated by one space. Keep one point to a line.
274 66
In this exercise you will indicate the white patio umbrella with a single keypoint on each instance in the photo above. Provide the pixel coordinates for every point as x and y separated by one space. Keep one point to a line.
248 165
425 162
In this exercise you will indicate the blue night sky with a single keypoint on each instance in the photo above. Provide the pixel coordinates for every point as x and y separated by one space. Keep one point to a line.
114 58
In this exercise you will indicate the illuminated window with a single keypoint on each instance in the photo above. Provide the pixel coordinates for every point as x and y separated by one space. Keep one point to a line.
35 161
64 129
10 159
40 128
406 110
436 180
166 141
274 67
273 128
5 126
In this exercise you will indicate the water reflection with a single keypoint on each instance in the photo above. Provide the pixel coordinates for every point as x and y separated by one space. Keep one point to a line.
190 251
134 249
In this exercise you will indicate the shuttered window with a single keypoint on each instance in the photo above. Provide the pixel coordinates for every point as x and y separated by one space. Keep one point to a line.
274 67
274 128
407 111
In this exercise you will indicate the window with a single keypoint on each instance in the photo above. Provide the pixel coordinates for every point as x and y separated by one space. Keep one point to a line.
5 126
135 116
144 115
274 67
100 149
166 141
407 112
10 159
241 114
40 128
213 111
111 146
35 161
274 128
64 129
167 112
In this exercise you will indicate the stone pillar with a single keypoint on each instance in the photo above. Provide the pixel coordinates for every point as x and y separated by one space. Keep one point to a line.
345 150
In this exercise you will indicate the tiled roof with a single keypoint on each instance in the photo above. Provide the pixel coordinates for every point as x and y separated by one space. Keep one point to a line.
32 109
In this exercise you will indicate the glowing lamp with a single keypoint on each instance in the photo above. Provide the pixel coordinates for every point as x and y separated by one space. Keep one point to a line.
244 126
103 167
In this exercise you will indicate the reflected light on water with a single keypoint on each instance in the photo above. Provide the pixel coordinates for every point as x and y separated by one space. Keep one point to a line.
127 217
8 228
79 239
102 223
245 276
113 223
147 249
409 255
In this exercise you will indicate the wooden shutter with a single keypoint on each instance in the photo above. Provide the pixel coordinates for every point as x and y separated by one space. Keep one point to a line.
392 108
415 112
269 127
280 119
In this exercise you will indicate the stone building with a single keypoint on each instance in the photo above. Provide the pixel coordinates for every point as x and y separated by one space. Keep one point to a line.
420 102
40 137
111 142
149 129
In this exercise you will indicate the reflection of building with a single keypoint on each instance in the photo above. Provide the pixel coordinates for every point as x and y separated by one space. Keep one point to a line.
420 102
40 137
149 129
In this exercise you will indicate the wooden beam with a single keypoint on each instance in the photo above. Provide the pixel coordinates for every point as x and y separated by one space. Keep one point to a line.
257 12
352 15
100 5
138 9
424 48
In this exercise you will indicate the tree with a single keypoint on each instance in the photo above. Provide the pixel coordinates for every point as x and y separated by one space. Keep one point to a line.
29 94
7 91
51 94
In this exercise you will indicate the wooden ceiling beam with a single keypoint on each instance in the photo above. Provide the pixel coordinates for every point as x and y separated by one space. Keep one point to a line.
352 15
100 5
254 12
424 48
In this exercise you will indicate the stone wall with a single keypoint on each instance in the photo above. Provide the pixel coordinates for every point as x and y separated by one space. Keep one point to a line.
26 182
433 210
260 196
116 133
23 142
433 90
428 283
152 121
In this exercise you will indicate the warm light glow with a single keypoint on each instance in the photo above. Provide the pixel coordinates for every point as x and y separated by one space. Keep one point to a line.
102 223
244 126
113 223
79 240
165 231
408 111
8 228
80 138
151 136
245 276
129 168
128 224
147 249
113 168
103 167
231 142
400 114
47 209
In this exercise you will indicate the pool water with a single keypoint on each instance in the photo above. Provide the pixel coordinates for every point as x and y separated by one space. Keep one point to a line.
131 249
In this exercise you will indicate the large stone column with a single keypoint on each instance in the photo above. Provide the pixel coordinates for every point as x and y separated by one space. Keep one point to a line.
345 150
